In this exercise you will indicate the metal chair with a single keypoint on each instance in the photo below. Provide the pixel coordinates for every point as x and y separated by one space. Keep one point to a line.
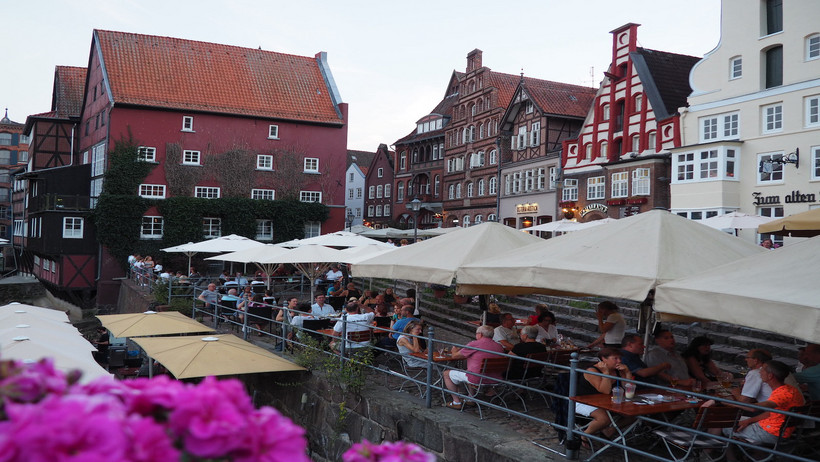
495 366
689 442
783 444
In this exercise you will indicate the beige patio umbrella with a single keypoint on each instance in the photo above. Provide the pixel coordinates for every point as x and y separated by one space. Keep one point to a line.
151 323
775 291
197 356
624 259
806 224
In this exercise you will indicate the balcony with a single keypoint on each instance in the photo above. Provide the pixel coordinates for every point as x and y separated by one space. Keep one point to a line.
51 202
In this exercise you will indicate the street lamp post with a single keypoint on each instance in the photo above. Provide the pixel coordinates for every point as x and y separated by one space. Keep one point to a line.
415 206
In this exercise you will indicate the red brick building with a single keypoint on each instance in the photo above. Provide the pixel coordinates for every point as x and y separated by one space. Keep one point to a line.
378 200
14 147
620 163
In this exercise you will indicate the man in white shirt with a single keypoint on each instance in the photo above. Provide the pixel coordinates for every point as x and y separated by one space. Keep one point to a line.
356 322
754 389
320 308
547 331
334 274
505 334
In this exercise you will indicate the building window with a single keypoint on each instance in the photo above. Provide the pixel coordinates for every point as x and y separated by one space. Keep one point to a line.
265 194
403 161
714 164
708 164
535 135
358 212
400 191
640 182
709 128
264 162
638 103
387 191
311 165
147 154
686 166
358 193
313 229
387 210
774 16
350 193
813 47
380 172
736 68
773 118
370 209
187 124
493 157
770 172
470 189
620 184
151 228
273 132
310 196
774 67
570 191
815 163
436 185
603 152
152 191
813 111
72 228
493 187
190 157
458 191
378 210
98 160
605 112
379 191
596 188
529 107
771 212
207 192
264 230
481 185
650 141
371 192
492 217
211 227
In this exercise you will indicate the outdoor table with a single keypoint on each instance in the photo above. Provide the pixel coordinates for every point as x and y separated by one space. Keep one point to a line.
645 403
439 362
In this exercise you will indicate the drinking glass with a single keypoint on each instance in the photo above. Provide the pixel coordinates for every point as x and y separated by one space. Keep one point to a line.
726 380
697 387
673 381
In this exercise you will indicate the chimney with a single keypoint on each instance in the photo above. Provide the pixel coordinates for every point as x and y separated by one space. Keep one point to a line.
474 60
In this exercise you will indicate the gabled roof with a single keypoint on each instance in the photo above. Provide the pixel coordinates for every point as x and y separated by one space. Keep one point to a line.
445 109
506 85
172 73
560 98
67 95
360 158
665 77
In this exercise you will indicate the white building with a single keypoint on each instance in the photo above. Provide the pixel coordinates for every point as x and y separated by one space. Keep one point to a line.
755 105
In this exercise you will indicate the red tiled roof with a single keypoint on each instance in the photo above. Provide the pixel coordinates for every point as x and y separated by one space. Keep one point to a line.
67 95
506 85
182 74
560 98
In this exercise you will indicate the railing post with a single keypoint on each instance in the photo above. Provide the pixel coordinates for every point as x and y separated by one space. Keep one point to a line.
245 320
343 344
428 398
170 289
572 448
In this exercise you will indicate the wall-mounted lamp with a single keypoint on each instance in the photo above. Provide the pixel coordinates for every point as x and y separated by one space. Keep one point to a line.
790 158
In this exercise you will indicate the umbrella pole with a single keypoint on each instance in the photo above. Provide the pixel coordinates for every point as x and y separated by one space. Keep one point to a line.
416 312
150 367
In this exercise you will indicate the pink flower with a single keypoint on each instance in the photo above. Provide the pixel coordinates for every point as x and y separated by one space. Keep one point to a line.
63 429
398 451
149 396
272 437
212 419
28 383
148 441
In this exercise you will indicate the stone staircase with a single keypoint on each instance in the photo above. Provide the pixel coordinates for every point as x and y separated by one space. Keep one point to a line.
576 320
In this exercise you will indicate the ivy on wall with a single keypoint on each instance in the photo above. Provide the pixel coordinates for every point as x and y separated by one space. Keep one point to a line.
119 210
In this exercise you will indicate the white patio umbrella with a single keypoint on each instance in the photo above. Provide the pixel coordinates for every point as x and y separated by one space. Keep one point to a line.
383 233
560 226
337 239
624 259
311 259
775 291
256 255
66 358
430 232
735 220
356 254
16 312
229 243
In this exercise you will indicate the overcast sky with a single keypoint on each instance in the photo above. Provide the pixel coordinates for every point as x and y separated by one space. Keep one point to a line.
391 60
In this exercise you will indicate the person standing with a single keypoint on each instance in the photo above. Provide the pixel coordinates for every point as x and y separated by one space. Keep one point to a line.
612 325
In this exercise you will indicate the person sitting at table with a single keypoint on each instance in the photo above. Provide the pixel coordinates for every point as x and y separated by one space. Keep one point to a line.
533 318
390 297
547 331
335 290
633 348
610 364
475 358
210 297
410 299
810 375
764 428
505 334
320 308
754 389
664 352
527 346
369 299
398 326
492 316
352 292
408 344
356 322
698 356
612 325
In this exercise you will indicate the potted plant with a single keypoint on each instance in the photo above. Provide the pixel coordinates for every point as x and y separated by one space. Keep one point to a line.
439 291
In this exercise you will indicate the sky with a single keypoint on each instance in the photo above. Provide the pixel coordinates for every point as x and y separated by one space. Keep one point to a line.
391 60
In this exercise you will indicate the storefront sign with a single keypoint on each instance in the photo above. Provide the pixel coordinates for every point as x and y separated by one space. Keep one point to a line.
526 208
794 198
594 208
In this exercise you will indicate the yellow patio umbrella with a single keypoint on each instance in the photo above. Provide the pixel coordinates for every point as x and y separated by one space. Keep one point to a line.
806 224
197 356
151 323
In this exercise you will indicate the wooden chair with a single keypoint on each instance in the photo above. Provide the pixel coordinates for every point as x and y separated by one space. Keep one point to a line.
688 443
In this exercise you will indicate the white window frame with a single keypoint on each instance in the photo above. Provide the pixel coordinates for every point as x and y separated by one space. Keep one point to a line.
378 210
211 227
387 191
190 157
273 132
640 182
187 123
620 185
370 209
264 162
709 128
150 223
358 193
492 189
481 186
777 174
152 191
776 211
313 229
208 192
400 192
264 230
718 163
371 192
311 165
310 196
470 189
535 134
386 210
522 137
553 176
569 192
772 118
147 154
380 172
596 188
493 157
350 193
812 47
379 191
815 162
685 170
812 105
403 161
604 112
72 227
736 67
708 164
264 194
458 190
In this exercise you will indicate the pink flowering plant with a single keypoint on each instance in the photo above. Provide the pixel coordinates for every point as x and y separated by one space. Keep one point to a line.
46 415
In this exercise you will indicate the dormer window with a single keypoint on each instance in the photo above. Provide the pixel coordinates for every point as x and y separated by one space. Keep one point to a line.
187 124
